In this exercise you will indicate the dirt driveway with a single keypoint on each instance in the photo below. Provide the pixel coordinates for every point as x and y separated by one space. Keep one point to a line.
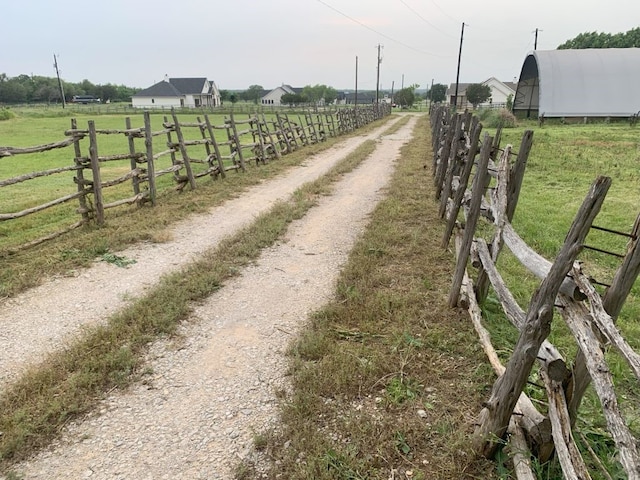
210 391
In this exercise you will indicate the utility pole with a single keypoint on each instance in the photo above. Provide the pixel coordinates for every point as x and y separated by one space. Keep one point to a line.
55 64
378 74
402 84
355 104
535 43
455 97
393 83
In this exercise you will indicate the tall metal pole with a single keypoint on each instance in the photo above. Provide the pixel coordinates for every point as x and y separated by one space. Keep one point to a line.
378 75
356 97
455 97
55 64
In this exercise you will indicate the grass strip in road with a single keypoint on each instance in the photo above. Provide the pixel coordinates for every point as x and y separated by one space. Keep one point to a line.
386 379
35 408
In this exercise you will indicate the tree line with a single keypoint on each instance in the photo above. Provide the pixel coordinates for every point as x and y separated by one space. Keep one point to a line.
629 39
39 89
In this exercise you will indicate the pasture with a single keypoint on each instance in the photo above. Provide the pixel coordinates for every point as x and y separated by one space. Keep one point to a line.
564 161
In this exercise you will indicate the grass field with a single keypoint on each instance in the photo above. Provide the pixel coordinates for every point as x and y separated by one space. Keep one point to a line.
564 161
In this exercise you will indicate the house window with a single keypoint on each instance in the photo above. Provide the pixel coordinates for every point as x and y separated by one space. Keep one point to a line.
153 100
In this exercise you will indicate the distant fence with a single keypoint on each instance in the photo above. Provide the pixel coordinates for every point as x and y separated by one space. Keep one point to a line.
254 139
590 318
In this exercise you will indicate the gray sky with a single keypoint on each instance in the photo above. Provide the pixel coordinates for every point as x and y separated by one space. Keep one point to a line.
238 43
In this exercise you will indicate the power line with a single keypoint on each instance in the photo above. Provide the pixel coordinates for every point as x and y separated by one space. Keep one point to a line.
425 20
380 33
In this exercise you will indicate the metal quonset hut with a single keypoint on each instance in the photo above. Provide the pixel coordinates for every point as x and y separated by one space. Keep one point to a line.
595 82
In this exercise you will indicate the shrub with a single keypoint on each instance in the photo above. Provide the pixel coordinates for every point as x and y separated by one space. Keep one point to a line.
497 118
6 114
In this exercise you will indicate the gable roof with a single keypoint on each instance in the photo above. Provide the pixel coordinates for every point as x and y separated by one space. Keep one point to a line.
189 85
175 87
575 83
462 87
160 89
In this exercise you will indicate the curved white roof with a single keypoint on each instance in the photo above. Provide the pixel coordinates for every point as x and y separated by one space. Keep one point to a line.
575 83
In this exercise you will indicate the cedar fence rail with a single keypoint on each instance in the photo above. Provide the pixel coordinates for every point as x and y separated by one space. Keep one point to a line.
509 414
252 139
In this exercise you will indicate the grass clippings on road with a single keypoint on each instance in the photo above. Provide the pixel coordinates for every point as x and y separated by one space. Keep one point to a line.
68 383
386 379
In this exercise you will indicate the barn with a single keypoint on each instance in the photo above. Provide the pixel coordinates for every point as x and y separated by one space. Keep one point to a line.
595 82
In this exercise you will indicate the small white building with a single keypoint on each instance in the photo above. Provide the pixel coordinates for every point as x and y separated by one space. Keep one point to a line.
178 93
274 97
500 92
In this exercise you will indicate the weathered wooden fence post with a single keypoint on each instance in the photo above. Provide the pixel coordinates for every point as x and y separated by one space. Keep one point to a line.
613 300
132 151
462 183
151 170
183 151
236 140
477 193
80 181
216 147
494 418
98 203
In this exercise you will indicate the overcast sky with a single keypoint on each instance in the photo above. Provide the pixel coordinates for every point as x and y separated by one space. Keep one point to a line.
238 43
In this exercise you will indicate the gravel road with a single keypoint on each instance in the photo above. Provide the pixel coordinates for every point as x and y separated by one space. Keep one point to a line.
212 388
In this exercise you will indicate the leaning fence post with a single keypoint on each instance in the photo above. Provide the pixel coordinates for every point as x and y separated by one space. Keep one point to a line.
462 184
183 151
95 170
477 193
494 418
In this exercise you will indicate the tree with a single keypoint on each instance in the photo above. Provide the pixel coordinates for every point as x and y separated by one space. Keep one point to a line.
478 93
405 97
292 99
330 95
254 92
629 39
437 93
233 98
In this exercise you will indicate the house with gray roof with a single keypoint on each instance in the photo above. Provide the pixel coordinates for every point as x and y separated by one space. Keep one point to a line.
179 93
274 97
500 92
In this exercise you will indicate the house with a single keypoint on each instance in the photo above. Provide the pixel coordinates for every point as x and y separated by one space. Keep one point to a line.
179 93
500 92
590 82
349 98
274 96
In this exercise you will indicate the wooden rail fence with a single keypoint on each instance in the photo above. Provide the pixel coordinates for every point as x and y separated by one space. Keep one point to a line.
509 413
254 139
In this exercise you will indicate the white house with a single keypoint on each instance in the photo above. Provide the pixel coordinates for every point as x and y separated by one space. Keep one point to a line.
500 91
179 93
274 96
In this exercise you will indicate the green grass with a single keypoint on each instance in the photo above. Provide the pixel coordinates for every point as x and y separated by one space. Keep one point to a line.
70 382
564 161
